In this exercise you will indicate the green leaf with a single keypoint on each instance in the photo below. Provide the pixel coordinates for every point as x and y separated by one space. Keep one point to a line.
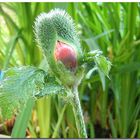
51 88
103 64
17 86
21 84
88 75
101 61
102 77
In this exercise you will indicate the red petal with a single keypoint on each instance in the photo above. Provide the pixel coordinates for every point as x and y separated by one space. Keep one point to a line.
66 54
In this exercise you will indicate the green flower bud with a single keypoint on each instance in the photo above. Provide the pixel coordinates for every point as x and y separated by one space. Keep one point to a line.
55 33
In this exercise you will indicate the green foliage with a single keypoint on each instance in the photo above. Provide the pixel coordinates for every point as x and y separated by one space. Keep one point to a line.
111 109
120 95
30 82
25 115
21 84
101 62
51 88
17 86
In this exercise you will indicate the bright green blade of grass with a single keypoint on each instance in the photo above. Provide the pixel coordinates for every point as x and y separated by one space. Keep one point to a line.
20 126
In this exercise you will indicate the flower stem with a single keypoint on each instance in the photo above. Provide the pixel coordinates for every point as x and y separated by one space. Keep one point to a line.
78 114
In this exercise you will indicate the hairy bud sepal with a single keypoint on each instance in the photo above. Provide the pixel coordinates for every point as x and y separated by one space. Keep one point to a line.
56 34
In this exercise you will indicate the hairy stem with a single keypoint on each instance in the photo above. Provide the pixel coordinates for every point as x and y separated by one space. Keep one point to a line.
78 114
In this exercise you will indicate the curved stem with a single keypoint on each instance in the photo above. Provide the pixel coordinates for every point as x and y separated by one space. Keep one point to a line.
78 114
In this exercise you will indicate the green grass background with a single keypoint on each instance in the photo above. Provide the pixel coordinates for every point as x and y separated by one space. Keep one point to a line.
111 107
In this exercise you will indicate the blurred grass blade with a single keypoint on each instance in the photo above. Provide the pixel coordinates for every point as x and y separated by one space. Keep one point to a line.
134 130
10 23
113 129
19 130
54 135
139 130
10 48
44 116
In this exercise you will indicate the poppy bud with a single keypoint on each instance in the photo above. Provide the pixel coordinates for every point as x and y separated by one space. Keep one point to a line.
66 54
56 34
